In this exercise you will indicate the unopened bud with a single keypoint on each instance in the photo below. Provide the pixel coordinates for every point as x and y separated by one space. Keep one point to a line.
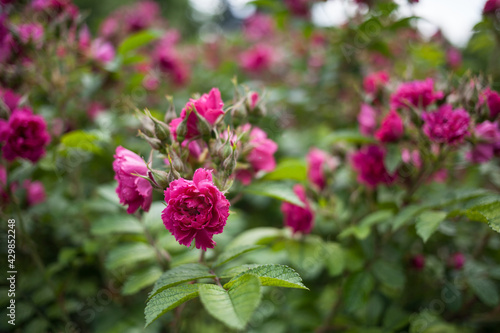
170 114
181 130
175 160
229 164
153 142
160 178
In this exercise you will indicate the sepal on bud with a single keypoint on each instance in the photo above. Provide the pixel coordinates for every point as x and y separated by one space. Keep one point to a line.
153 142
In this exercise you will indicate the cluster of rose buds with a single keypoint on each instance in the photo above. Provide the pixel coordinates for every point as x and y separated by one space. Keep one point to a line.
204 149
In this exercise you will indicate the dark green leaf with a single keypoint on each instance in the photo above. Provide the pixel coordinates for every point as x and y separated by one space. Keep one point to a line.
232 253
277 190
137 40
273 275
143 279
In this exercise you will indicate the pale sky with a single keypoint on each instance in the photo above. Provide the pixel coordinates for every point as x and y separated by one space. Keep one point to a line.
455 17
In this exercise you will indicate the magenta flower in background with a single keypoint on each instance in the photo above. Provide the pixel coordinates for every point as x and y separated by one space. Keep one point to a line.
418 262
488 135
492 100
24 135
35 192
7 43
411 157
454 58
254 98
257 59
261 156
102 51
94 109
298 7
375 81
300 219
10 99
142 15
367 119
258 26
166 58
84 38
369 163
391 128
4 196
415 93
209 106
446 125
132 190
196 209
31 32
109 27
457 260
491 6
318 164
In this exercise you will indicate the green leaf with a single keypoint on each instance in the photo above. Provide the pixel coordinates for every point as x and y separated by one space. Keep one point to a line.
116 224
349 136
169 299
256 236
137 40
129 254
277 190
235 306
81 140
232 253
376 217
428 222
273 275
308 255
335 261
358 231
405 215
389 274
108 192
143 279
484 289
488 213
357 290
293 169
180 274
393 158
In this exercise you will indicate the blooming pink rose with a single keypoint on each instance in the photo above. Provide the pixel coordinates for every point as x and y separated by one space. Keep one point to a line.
35 192
446 125
411 157
102 51
318 163
261 156
257 59
391 128
375 81
132 190
367 119
109 27
488 135
196 209
142 15
24 135
369 163
31 32
416 94
458 260
169 61
209 106
258 26
491 6
7 43
300 219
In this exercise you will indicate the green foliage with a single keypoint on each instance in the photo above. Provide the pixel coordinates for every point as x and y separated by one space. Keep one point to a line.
277 190
428 222
272 275
233 253
233 306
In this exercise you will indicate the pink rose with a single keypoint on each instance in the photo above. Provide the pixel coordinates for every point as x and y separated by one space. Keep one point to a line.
300 219
491 6
35 192
418 262
258 26
416 94
31 32
254 98
391 128
10 98
196 209
169 61
318 163
457 261
261 157
492 100
94 109
24 135
369 163
84 38
446 125
209 106
102 51
298 7
488 135
367 119
142 15
257 59
132 190
375 81
454 58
